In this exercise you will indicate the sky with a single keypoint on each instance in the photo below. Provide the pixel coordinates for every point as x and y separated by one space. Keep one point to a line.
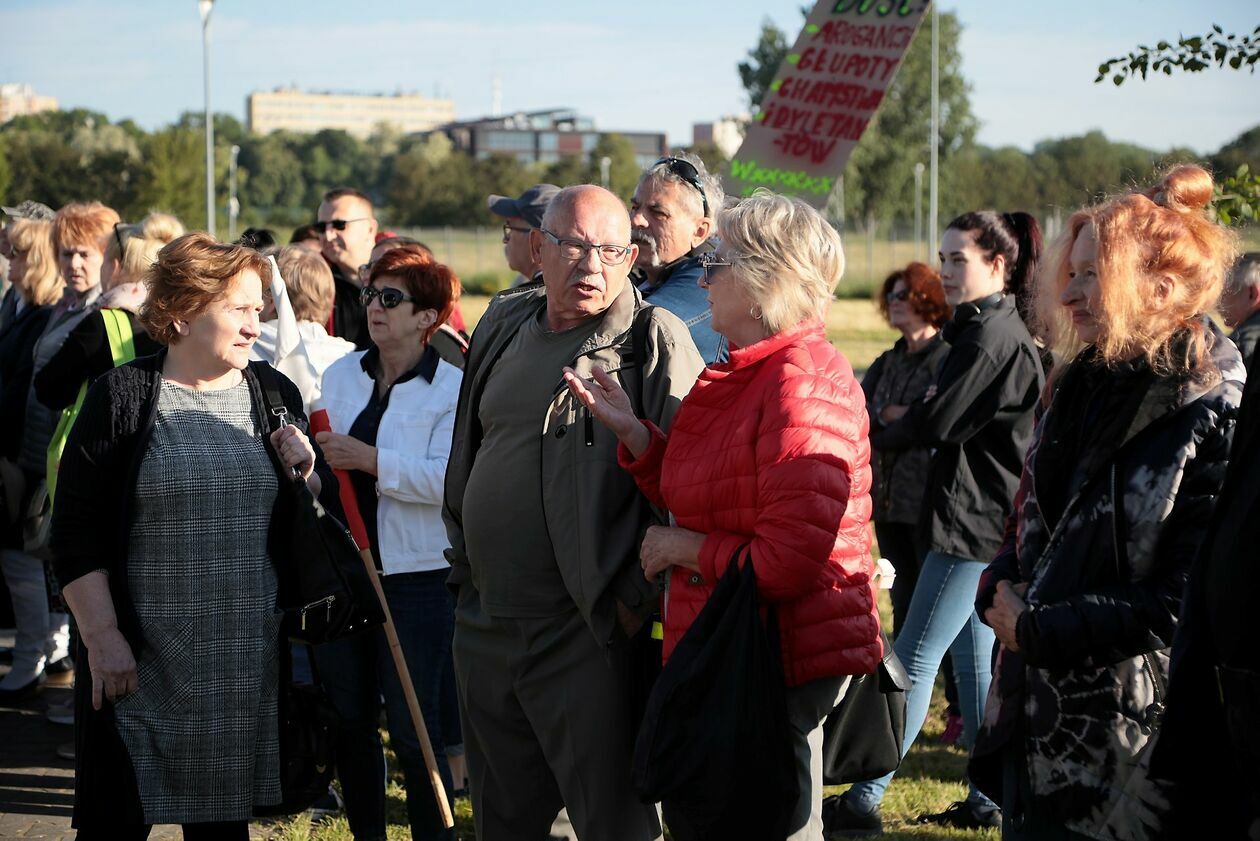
644 66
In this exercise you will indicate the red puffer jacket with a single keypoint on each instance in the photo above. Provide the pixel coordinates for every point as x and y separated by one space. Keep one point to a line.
769 451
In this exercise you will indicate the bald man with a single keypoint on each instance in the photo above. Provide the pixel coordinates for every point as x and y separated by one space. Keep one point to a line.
545 532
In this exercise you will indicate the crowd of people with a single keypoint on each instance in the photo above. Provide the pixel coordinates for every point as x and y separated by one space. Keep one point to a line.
1053 456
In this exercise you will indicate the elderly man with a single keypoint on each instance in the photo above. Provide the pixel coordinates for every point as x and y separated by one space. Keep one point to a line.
545 532
1240 304
521 217
672 215
347 229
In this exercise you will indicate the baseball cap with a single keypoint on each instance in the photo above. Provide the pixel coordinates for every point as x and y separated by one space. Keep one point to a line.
30 210
531 205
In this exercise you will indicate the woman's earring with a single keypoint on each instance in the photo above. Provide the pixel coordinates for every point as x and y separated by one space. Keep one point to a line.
755 312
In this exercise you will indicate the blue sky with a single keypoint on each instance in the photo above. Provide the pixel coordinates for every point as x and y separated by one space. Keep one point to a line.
648 65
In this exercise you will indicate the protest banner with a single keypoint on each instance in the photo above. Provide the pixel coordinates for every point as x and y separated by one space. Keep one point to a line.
825 93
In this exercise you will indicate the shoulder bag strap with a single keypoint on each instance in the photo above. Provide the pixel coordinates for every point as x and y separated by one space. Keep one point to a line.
122 346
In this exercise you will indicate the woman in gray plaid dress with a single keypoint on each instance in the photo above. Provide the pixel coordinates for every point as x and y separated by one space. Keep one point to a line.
161 539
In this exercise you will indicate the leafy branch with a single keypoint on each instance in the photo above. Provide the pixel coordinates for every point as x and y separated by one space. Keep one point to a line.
1191 55
1237 198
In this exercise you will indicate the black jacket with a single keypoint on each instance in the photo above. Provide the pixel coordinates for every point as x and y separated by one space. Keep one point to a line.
16 365
1213 716
92 519
979 421
85 356
1113 506
349 316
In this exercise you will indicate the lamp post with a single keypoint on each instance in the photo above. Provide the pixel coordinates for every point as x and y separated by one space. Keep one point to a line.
234 207
605 167
204 6
935 140
918 212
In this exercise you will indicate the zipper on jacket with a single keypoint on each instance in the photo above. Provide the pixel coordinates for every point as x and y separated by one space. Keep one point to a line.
1155 712
327 602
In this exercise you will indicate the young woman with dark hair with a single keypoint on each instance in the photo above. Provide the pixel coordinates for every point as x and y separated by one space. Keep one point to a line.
978 419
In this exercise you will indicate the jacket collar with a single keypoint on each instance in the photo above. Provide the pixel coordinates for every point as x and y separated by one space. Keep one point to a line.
743 357
426 367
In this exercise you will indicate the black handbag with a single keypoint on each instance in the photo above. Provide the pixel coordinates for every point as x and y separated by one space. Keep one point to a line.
862 736
325 590
308 736
715 745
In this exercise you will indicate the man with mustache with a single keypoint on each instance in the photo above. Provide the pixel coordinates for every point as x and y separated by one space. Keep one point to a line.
545 532
671 216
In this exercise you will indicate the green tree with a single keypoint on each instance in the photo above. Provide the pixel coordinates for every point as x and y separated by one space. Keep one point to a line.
1190 54
6 175
758 71
172 178
272 188
623 169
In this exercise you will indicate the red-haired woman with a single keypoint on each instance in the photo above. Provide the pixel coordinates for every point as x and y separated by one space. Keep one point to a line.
394 408
913 301
1115 498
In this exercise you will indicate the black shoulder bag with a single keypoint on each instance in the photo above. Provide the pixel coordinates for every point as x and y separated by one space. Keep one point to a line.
325 591
862 736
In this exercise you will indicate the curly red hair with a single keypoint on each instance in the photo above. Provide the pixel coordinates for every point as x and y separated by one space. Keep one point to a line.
927 296
431 285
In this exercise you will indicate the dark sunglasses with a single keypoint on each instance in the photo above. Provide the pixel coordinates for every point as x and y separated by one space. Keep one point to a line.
903 295
335 224
118 237
687 172
390 297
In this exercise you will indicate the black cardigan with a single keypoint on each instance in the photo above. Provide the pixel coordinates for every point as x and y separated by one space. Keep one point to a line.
84 356
17 344
92 518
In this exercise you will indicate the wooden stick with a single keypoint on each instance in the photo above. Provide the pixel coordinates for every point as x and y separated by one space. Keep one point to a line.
409 692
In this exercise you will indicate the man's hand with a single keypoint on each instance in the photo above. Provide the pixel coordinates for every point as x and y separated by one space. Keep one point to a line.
1004 615
632 620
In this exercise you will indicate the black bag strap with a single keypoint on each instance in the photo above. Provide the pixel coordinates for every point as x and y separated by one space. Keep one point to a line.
276 411
636 358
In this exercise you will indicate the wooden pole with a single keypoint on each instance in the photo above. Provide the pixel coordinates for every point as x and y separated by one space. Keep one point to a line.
409 692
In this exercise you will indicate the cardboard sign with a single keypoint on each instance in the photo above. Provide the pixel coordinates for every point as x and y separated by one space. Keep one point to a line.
824 95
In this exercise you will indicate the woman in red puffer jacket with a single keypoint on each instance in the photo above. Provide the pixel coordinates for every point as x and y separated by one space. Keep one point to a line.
767 458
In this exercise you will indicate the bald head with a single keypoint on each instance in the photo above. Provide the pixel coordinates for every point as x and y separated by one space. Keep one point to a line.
582 287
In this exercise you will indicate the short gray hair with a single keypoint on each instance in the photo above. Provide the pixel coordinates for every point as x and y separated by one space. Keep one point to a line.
1246 272
786 256
713 192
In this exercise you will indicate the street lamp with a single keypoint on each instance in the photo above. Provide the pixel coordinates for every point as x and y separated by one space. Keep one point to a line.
204 6
234 207
605 165
919 252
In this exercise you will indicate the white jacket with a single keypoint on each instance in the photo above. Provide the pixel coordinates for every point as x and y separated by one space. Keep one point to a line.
413 445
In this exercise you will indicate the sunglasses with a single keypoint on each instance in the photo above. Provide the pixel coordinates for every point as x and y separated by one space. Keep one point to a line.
711 262
903 295
390 297
687 172
118 238
335 224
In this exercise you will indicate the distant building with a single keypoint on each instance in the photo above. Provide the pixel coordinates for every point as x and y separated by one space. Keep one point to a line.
546 136
357 114
17 100
725 133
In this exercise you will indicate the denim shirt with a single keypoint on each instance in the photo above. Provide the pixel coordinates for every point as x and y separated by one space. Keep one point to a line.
679 293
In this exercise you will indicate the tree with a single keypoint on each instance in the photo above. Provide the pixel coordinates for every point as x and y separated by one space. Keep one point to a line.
172 178
1192 55
623 169
763 62
5 177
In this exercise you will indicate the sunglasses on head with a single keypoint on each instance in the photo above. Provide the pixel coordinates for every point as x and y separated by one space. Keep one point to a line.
687 172
390 297
335 224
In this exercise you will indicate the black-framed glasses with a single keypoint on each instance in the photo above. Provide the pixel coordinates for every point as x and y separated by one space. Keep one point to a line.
335 224
390 297
711 262
508 228
903 295
687 172
575 249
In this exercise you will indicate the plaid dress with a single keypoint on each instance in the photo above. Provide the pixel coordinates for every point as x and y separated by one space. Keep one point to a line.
201 731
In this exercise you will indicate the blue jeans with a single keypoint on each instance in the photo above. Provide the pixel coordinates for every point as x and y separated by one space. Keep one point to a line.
942 618
358 670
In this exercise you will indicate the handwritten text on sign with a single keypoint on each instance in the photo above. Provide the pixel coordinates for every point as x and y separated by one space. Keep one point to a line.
823 97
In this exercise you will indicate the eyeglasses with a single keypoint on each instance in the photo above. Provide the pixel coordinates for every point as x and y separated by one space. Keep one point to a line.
508 229
903 295
711 262
118 238
687 172
575 249
390 297
335 224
